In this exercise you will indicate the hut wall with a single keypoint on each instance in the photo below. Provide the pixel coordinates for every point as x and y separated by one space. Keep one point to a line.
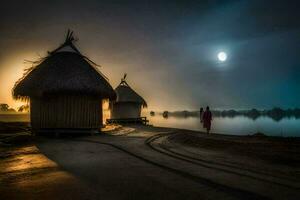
126 110
64 112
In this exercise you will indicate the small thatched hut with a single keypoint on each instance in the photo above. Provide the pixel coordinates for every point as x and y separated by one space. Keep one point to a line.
128 103
64 90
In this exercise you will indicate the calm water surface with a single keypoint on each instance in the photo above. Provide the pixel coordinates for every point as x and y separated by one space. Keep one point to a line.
233 126
239 125
14 118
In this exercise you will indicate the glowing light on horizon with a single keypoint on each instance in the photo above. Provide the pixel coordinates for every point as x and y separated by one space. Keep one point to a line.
12 73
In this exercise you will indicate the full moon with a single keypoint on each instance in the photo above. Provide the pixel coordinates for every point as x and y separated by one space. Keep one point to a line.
222 56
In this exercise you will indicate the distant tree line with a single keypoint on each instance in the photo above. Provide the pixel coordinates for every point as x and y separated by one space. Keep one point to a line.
4 108
276 113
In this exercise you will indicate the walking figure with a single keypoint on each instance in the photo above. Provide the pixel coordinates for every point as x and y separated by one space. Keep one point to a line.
207 117
201 115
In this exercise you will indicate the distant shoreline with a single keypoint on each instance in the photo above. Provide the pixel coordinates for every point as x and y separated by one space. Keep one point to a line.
276 113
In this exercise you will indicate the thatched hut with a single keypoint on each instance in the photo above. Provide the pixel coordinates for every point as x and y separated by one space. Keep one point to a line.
128 103
64 90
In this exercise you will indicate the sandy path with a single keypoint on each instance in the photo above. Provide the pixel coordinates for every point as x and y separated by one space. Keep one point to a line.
129 166
118 173
25 173
257 177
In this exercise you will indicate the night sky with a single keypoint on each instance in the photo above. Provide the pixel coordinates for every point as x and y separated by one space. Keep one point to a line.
168 49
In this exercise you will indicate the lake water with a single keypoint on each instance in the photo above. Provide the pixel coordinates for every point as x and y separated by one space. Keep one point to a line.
240 125
14 118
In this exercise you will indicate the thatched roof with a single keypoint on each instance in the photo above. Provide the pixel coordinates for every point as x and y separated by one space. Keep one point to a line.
64 70
126 94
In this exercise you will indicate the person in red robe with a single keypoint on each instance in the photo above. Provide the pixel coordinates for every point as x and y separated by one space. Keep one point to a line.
207 117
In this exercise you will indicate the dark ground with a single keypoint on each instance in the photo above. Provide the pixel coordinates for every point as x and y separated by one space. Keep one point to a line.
141 162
